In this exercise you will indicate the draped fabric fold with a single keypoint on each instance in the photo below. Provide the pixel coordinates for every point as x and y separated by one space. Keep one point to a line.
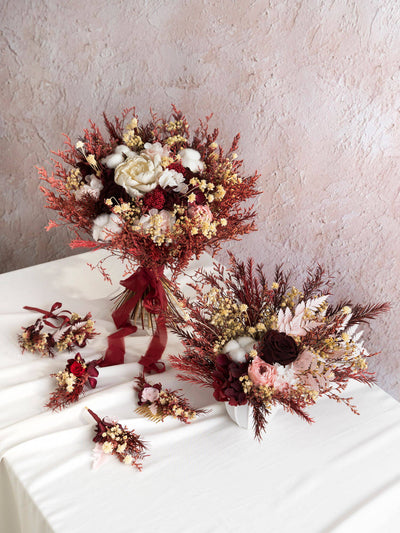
144 285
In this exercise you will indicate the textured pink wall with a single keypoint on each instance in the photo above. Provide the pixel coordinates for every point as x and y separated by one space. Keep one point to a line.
312 85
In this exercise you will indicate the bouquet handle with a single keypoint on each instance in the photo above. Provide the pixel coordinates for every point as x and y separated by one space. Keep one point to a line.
144 286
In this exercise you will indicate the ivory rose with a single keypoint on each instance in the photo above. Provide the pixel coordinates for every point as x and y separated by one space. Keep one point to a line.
138 175
261 373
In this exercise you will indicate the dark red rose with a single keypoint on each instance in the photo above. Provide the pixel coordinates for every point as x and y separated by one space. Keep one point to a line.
277 347
77 369
227 386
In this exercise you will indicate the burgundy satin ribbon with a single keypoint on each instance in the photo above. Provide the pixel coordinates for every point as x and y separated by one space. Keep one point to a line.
51 314
155 302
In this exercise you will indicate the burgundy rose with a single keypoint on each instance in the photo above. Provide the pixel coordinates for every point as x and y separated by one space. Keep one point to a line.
277 347
227 386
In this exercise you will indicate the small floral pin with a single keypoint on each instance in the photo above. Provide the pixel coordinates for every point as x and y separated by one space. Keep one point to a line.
114 439
72 381
156 403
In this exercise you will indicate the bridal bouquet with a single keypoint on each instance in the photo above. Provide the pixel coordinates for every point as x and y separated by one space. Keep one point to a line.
265 345
155 196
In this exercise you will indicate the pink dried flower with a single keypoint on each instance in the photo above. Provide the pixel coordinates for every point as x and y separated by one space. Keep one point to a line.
201 212
261 373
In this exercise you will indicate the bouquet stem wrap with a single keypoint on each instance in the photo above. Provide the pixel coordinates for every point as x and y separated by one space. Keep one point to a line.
145 287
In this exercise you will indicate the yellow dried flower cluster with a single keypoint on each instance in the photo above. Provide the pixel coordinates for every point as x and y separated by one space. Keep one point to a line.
359 363
125 210
72 337
36 344
247 384
310 396
74 180
166 161
291 298
227 314
165 398
264 393
66 379
176 125
132 140
132 124
219 193
208 229
116 434
156 230
175 139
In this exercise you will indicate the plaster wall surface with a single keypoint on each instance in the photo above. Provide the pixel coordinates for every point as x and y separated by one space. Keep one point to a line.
312 85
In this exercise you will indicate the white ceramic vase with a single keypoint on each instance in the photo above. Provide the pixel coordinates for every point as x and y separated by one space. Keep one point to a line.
242 414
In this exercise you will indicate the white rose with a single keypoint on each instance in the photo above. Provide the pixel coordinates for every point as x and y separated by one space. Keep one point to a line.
104 224
191 159
238 348
117 157
138 175
92 188
174 179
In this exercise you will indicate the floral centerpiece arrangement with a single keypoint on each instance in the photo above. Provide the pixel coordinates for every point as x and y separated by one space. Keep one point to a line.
267 345
155 196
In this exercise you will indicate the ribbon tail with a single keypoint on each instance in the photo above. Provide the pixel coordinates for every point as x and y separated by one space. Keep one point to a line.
151 360
116 347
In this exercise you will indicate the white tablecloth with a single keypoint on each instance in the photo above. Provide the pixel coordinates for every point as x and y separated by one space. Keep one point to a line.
341 474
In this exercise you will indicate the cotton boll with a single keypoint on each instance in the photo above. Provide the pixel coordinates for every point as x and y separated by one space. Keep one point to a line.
237 349
103 224
121 152
230 345
246 342
234 351
191 159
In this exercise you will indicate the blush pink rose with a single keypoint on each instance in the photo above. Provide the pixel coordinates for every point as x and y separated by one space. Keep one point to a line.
150 394
201 212
261 373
